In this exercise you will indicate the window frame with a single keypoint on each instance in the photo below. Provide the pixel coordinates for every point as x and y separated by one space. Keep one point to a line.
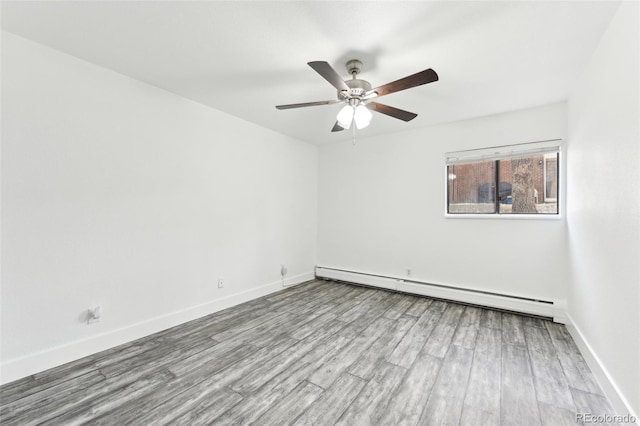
501 152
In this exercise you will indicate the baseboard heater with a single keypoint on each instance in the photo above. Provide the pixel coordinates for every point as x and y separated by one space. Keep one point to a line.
534 307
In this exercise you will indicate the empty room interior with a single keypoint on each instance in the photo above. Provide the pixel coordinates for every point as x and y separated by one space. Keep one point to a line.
310 212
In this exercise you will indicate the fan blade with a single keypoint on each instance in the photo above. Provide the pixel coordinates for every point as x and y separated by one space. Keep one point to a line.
417 79
329 74
400 114
306 104
337 127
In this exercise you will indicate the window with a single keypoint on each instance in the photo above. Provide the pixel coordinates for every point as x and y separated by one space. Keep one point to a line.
506 180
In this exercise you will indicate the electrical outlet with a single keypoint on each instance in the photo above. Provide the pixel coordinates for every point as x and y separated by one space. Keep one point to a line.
94 314
408 272
220 283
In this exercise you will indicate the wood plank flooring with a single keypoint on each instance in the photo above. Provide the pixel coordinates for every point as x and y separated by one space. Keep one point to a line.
324 353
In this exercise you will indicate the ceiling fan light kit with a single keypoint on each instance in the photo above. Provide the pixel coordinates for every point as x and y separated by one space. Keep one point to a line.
362 116
357 95
355 113
345 116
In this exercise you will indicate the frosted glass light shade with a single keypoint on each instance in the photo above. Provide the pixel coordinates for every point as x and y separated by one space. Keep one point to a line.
345 116
362 117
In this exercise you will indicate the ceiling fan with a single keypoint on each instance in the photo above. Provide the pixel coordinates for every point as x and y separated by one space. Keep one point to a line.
357 95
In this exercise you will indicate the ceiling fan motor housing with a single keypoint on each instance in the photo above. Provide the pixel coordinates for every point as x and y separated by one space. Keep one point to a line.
357 88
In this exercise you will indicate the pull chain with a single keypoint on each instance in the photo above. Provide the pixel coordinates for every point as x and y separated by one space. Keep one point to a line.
354 73
353 127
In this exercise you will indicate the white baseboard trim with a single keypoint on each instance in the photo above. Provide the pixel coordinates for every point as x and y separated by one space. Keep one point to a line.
27 365
620 404
474 297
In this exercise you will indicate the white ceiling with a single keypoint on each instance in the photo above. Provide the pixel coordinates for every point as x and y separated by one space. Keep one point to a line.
246 57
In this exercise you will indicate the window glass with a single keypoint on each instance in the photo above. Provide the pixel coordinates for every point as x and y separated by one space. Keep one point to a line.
471 187
533 184
551 177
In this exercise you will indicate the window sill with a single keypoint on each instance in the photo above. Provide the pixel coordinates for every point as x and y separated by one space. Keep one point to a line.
505 216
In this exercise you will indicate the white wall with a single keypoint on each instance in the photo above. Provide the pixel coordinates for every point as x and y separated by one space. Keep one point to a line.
603 199
381 210
118 193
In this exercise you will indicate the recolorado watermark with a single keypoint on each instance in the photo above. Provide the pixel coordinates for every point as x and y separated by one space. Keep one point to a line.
585 418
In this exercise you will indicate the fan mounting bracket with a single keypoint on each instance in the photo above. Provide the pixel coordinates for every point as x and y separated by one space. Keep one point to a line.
354 66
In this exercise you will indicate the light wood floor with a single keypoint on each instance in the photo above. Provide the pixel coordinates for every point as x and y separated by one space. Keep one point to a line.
324 353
